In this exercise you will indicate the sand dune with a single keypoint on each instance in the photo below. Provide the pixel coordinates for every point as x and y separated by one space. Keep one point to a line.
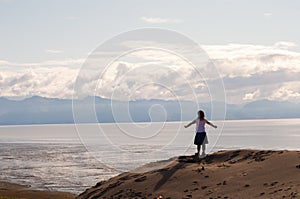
225 174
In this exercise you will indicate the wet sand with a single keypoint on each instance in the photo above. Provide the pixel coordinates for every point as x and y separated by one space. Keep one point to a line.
225 174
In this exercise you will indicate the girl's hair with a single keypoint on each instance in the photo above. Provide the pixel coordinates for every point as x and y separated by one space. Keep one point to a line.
201 115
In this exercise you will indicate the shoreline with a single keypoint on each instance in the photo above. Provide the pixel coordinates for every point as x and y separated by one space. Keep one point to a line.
242 173
9 190
113 123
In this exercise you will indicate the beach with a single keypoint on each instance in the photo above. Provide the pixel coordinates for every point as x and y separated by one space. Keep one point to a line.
224 174
55 163
16 191
117 99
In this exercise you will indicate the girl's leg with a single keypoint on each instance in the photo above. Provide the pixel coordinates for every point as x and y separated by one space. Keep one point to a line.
198 149
203 149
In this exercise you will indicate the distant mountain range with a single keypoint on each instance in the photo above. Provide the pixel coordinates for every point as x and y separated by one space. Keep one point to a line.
40 110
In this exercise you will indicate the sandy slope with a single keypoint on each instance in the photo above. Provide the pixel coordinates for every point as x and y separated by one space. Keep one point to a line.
225 174
16 191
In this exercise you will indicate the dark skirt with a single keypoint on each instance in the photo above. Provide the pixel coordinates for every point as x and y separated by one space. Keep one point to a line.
199 138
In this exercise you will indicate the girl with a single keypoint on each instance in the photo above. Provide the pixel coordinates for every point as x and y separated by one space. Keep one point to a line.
200 137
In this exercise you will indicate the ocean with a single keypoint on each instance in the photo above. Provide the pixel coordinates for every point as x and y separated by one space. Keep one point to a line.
71 158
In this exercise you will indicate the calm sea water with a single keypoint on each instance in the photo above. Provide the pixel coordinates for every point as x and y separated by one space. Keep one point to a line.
73 157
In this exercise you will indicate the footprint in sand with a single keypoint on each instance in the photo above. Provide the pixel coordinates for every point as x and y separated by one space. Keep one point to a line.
273 183
203 187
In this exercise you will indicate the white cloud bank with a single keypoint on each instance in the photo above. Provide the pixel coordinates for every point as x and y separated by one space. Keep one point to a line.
273 70
250 72
42 81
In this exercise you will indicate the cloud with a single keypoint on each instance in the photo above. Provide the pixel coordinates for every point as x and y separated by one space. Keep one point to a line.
53 51
285 94
246 68
4 62
46 82
261 79
251 96
249 72
147 80
158 20
246 59
50 78
288 91
284 45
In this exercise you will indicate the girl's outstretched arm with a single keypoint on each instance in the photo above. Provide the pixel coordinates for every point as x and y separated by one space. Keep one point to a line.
189 124
211 124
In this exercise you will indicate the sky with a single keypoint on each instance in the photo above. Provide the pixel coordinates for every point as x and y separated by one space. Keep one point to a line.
255 45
